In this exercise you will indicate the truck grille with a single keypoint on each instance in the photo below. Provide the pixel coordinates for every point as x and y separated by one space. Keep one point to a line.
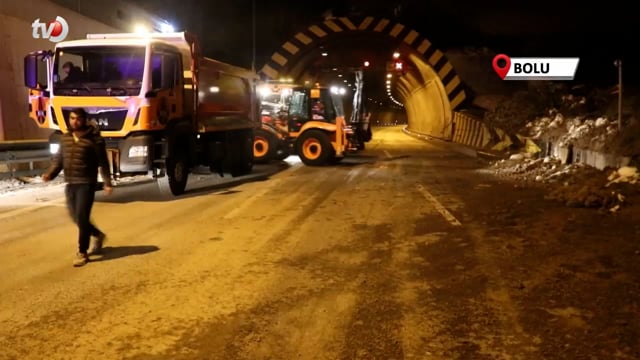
112 120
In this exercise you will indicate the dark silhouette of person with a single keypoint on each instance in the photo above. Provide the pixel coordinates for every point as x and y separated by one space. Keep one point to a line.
74 73
112 72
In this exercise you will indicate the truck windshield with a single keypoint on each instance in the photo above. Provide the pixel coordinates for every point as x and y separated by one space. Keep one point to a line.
98 70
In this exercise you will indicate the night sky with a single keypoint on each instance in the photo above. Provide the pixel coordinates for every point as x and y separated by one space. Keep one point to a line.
595 32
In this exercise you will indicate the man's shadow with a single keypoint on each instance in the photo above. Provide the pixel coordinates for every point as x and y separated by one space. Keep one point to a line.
116 252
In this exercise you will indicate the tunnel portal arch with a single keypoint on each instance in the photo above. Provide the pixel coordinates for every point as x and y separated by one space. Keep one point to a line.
439 66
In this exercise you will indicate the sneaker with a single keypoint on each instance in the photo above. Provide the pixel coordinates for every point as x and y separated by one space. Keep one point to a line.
80 260
96 249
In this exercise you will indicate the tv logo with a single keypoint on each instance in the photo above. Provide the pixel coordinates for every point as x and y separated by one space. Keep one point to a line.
55 30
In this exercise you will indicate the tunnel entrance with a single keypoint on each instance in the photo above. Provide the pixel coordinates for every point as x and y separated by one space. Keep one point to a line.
429 87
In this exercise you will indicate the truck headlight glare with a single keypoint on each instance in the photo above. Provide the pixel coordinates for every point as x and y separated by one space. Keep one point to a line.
54 148
138 151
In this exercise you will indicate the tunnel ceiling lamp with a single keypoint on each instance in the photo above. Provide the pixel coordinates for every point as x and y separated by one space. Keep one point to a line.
339 75
325 54
389 76
366 64
396 55
344 80
335 69
140 29
264 91
166 27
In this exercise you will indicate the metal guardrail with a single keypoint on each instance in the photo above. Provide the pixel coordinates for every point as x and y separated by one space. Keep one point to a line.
28 152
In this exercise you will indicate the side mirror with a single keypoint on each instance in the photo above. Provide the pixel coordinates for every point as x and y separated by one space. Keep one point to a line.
31 72
36 70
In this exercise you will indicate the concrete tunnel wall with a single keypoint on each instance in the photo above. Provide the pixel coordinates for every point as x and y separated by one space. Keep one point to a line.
16 41
430 89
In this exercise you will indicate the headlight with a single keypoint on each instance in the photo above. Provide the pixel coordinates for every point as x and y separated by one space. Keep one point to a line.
54 148
138 151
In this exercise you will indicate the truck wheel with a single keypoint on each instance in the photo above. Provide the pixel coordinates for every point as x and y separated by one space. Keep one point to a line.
314 148
241 147
264 146
175 179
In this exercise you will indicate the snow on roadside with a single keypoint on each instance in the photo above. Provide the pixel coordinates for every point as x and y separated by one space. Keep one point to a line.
576 185
594 134
10 186
35 183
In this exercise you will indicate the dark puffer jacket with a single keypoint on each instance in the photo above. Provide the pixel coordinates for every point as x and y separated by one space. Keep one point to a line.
80 159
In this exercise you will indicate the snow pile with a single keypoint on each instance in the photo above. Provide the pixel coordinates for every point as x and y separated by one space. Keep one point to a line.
9 185
594 134
575 185
22 183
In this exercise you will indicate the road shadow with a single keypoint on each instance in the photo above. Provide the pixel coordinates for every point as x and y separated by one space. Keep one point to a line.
117 252
200 183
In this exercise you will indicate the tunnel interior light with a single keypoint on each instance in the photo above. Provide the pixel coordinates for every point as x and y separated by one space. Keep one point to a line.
264 91
325 54
389 76
342 91
366 64
166 28
396 55
140 29
339 75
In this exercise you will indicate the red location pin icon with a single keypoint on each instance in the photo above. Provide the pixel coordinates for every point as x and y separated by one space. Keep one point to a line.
506 64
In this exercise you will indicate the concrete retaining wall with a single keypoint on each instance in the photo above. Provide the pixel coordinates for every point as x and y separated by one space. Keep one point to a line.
598 160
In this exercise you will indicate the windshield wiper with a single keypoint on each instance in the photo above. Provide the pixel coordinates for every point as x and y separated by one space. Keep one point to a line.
83 87
117 88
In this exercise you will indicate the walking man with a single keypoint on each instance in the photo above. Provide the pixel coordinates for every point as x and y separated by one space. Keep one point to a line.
82 151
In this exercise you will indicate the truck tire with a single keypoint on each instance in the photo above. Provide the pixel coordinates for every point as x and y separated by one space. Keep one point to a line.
264 146
314 148
241 152
176 175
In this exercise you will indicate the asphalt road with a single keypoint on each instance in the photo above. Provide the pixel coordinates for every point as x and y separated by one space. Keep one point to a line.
405 251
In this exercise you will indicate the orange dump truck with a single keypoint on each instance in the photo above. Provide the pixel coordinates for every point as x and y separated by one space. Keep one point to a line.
162 108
